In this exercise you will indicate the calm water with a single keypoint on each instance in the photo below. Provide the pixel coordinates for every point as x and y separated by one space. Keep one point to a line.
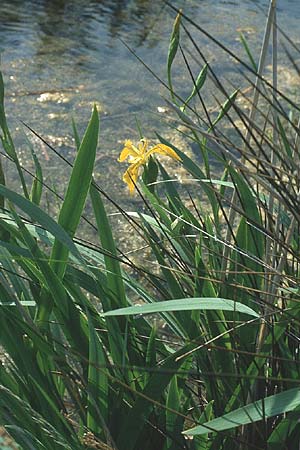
61 56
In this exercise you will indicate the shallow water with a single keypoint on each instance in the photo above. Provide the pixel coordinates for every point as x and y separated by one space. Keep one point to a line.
61 56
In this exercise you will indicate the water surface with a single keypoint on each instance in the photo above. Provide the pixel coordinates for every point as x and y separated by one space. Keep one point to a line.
61 56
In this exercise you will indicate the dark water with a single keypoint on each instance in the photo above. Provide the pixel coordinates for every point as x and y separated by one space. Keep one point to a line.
61 56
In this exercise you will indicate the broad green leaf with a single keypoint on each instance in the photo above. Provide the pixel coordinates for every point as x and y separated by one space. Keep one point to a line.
77 192
184 304
114 274
262 409
23 303
250 238
173 47
39 216
174 422
55 288
199 82
114 284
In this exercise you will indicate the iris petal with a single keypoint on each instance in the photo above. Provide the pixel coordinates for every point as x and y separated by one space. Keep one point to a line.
131 175
128 150
163 150
138 156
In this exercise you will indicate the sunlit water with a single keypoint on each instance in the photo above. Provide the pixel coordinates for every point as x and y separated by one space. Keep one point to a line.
61 56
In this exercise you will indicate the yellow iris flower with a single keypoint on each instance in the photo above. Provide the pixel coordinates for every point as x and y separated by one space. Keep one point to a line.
138 157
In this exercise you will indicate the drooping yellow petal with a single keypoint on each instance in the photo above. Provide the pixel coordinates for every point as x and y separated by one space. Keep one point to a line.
138 156
131 175
128 150
163 150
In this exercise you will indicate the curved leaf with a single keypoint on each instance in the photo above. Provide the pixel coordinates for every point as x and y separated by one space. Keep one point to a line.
184 304
259 410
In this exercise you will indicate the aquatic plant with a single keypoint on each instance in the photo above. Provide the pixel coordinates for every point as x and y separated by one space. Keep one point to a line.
84 364
139 156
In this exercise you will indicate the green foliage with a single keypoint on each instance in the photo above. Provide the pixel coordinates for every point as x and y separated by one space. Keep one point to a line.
185 304
260 410
173 48
200 353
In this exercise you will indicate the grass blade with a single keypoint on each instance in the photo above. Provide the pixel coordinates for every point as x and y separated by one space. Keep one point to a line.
184 304
268 407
